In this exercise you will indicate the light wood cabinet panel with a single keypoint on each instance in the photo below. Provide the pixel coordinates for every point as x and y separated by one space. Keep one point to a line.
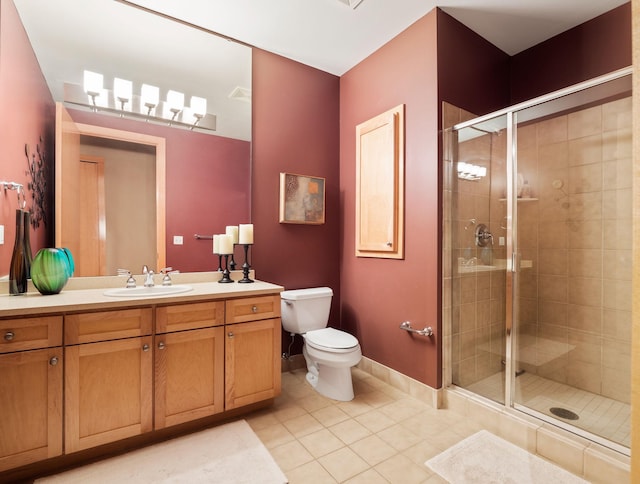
189 375
30 406
252 308
380 186
107 325
21 334
252 362
189 316
108 392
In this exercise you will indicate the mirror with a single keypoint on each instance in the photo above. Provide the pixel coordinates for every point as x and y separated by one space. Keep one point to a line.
207 175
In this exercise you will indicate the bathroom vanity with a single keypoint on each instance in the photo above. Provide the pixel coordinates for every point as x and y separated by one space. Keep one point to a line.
82 369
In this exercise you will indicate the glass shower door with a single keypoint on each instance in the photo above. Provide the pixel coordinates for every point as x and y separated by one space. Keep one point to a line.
479 258
574 204
538 218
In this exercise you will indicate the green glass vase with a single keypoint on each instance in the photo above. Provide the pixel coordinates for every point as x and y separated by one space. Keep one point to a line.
51 269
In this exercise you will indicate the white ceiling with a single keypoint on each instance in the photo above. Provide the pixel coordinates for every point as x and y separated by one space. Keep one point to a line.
118 39
333 37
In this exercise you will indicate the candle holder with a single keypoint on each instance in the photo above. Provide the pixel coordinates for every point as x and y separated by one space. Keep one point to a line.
246 266
225 274
219 269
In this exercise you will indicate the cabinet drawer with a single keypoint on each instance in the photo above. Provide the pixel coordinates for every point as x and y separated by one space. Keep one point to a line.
252 308
30 333
107 325
189 316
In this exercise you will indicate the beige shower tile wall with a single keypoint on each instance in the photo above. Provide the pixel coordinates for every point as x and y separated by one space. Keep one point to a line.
575 304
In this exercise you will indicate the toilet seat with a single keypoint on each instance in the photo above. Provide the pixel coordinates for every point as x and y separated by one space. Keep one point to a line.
331 340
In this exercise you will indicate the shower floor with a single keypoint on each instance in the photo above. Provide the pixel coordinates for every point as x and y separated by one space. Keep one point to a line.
599 415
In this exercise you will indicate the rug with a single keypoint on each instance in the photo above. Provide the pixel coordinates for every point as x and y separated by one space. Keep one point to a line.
484 458
230 453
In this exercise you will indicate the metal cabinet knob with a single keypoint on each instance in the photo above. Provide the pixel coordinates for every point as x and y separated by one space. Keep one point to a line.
161 345
254 309
145 347
230 334
9 335
53 361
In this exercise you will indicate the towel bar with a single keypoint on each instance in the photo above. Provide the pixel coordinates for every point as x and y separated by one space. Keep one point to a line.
427 331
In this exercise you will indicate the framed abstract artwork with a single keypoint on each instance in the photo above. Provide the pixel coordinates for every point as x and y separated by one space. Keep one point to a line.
301 199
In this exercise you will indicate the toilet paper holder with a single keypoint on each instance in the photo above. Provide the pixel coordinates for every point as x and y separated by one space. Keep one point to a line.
427 331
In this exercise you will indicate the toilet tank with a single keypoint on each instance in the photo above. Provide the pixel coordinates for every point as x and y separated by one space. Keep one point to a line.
305 309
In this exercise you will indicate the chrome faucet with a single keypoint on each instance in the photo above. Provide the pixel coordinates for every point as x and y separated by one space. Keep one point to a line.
148 280
166 280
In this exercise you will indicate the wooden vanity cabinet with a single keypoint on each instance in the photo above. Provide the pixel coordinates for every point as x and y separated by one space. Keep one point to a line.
108 377
30 390
252 350
189 362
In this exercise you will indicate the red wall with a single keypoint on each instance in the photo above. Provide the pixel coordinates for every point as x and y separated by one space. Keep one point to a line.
596 47
378 294
473 74
28 114
295 130
208 181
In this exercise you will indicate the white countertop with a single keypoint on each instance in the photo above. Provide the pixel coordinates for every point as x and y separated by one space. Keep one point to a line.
87 293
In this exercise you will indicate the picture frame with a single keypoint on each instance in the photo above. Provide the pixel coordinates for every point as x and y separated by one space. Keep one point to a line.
302 199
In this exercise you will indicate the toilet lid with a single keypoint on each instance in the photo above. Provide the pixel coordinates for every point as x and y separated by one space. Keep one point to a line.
330 338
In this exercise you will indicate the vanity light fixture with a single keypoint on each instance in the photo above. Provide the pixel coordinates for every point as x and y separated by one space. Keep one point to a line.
150 98
93 83
123 91
121 101
175 103
198 108
469 171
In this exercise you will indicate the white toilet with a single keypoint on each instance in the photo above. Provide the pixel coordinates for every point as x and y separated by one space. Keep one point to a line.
329 353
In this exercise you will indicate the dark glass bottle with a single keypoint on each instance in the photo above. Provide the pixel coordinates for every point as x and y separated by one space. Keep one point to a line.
18 270
27 241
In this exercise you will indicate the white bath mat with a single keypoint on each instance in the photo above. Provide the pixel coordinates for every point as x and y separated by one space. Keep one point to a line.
484 458
230 453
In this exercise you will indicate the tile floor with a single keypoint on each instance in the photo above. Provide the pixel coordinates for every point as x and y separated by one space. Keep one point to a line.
600 415
383 435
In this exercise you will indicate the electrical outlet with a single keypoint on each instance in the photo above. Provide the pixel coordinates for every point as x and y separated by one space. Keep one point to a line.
177 240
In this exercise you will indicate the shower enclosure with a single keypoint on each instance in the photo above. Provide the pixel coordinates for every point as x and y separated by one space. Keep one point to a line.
537 257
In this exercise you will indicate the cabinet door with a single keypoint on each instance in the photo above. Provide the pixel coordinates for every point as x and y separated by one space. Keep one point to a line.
30 406
380 186
189 375
108 392
252 362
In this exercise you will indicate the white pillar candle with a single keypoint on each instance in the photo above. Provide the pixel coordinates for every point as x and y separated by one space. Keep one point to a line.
225 244
216 244
245 234
232 230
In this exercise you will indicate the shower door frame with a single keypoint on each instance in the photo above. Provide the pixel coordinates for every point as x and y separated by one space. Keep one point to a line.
513 254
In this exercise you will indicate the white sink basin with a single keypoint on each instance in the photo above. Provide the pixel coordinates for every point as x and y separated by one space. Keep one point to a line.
142 291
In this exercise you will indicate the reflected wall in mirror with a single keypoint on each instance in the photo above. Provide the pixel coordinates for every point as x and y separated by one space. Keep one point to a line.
208 175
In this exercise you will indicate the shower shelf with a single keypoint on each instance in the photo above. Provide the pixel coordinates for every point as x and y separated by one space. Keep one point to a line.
521 199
